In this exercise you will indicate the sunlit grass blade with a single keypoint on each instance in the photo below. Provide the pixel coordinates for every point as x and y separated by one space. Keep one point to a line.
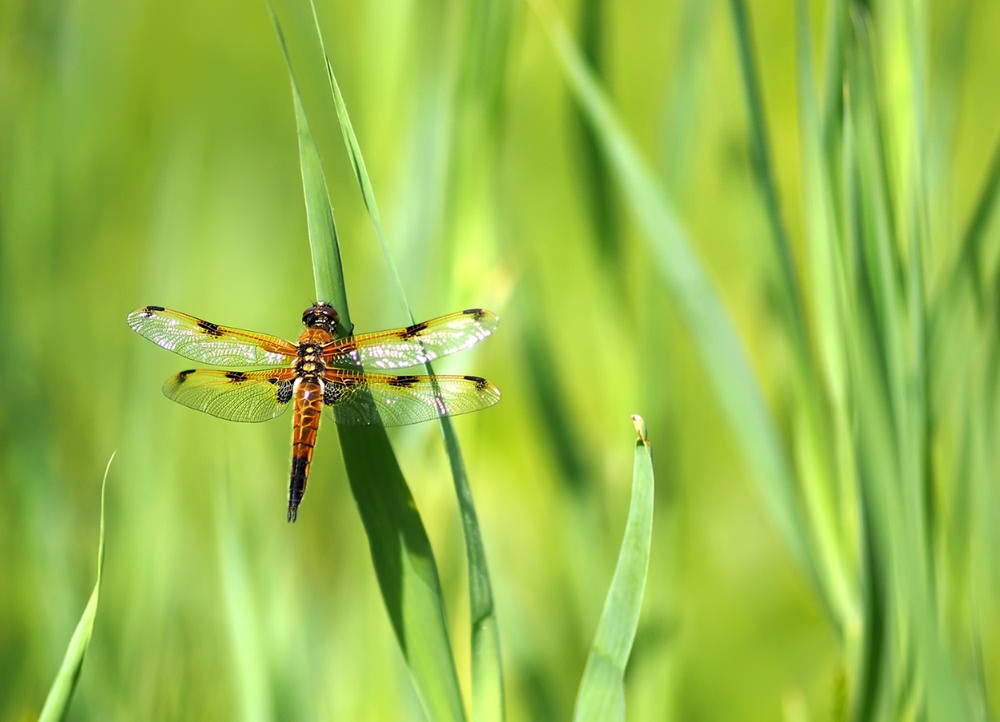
601 697
401 551
487 671
61 692
821 435
710 326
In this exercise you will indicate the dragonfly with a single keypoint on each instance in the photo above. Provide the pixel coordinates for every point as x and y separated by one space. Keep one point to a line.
321 375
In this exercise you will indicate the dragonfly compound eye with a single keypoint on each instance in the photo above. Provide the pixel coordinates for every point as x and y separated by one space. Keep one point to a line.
321 314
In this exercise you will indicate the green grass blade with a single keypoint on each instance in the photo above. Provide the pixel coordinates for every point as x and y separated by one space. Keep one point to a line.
972 240
602 695
487 671
710 326
401 551
61 692
358 163
594 172
328 270
821 424
761 153
405 567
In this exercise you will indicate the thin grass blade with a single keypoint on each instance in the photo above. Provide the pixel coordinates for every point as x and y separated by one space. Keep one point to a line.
61 692
969 259
602 695
761 152
401 551
487 671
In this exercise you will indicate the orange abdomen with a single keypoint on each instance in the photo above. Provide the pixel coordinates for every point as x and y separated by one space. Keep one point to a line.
308 409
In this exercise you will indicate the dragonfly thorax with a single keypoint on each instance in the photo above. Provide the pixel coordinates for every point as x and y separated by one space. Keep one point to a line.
309 364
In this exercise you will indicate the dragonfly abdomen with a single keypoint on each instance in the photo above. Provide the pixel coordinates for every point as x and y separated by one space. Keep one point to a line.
308 409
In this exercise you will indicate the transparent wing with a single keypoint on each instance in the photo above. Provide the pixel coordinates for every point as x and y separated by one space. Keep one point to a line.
207 342
413 345
234 395
357 399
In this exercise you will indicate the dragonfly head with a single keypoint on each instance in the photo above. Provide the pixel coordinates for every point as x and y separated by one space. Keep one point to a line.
321 315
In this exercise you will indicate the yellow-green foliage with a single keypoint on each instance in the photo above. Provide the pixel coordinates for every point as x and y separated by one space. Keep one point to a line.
829 549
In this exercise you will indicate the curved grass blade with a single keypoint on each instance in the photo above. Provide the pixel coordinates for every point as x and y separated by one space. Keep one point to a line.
401 551
602 695
487 670
710 326
61 692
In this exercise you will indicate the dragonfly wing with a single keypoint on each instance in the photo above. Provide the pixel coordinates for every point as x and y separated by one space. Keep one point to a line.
234 395
356 399
207 342
413 345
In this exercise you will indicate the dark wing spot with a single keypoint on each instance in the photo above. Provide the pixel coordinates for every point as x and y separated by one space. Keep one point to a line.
403 381
285 390
236 376
182 376
150 310
477 312
481 383
210 329
415 329
331 393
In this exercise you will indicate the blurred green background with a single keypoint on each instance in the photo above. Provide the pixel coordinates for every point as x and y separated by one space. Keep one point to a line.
148 156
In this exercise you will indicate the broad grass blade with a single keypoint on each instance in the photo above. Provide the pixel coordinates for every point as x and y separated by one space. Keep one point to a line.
61 692
602 696
401 551
405 567
487 671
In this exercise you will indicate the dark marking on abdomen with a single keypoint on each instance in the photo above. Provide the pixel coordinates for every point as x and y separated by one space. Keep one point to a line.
297 485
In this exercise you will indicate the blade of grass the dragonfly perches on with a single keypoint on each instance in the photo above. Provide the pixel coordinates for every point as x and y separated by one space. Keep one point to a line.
487 671
61 692
602 696
401 552
709 325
